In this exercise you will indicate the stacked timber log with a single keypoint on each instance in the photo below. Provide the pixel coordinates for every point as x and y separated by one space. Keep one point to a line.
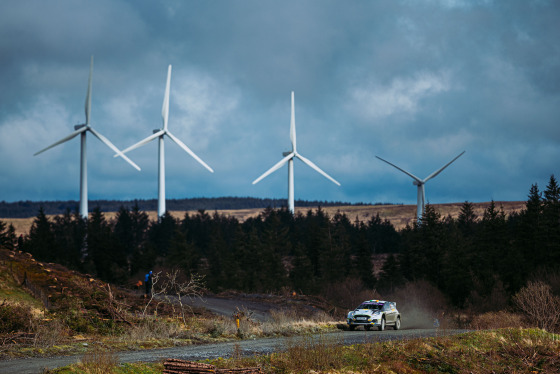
240 371
176 366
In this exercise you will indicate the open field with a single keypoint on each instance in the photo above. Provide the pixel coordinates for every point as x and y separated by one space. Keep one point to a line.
398 215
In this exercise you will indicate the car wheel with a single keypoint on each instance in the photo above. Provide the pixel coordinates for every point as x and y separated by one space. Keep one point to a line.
382 325
397 323
351 327
367 327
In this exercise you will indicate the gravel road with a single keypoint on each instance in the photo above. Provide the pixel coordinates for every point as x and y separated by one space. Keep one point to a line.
200 352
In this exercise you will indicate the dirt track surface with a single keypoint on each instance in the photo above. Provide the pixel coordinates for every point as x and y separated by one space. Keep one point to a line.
201 352
259 306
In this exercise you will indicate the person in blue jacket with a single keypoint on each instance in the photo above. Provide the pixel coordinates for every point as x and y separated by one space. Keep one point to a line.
148 281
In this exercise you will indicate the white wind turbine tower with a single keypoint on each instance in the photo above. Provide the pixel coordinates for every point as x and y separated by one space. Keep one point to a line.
420 183
159 134
289 158
82 130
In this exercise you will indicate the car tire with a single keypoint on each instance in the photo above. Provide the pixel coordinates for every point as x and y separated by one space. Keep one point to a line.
397 323
367 327
382 325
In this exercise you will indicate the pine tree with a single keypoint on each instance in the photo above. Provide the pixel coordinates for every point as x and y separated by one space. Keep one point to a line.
161 232
104 258
494 256
530 233
363 265
70 234
458 268
275 245
7 236
426 246
550 254
467 220
335 259
41 242
391 276
182 254
301 275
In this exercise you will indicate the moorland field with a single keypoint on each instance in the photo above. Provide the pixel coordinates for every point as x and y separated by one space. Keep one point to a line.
398 215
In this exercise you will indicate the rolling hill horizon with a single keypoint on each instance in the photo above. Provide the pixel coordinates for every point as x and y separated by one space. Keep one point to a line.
399 215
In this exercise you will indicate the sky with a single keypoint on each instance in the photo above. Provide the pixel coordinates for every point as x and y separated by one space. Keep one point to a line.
414 82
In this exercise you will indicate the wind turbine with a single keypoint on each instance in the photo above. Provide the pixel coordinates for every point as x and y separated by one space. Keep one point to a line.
159 134
421 182
289 158
82 130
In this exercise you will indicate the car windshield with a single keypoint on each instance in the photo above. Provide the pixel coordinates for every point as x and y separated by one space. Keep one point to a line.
369 306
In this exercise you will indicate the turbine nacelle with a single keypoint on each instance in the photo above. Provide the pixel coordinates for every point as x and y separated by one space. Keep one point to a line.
77 127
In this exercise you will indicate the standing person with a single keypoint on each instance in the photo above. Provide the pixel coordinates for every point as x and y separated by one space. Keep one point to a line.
148 281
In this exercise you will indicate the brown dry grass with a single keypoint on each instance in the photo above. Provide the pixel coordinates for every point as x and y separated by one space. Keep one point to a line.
398 215
497 320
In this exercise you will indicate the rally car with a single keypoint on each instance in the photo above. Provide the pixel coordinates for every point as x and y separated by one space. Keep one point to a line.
375 313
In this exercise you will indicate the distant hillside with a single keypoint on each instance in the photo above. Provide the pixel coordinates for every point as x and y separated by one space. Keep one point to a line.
26 209
398 215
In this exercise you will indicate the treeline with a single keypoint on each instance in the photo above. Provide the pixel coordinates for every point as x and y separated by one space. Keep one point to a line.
25 209
475 262
276 249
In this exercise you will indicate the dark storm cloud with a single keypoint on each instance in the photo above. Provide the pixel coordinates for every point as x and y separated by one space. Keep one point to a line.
415 82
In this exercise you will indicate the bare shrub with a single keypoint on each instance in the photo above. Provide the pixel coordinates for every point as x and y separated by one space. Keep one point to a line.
174 288
291 321
310 354
539 304
549 277
182 289
419 303
151 328
50 334
218 327
98 361
497 320
15 318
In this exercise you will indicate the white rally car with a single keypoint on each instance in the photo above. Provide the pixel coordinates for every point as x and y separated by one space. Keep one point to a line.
375 313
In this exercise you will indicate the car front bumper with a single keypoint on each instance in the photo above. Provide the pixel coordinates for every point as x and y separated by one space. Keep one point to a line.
361 322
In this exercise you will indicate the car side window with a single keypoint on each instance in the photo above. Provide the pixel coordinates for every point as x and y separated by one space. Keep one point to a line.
385 307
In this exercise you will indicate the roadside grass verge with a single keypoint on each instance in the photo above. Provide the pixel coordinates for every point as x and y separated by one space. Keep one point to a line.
495 351
503 350
53 337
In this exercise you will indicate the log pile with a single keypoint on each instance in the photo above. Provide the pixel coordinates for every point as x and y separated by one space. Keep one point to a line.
176 366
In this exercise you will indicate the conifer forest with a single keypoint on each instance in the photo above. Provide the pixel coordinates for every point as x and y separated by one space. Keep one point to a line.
469 259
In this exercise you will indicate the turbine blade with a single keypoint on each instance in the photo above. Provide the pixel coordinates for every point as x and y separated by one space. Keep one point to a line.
142 142
88 95
275 167
435 173
293 125
404 171
112 146
74 134
187 149
312 165
165 106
